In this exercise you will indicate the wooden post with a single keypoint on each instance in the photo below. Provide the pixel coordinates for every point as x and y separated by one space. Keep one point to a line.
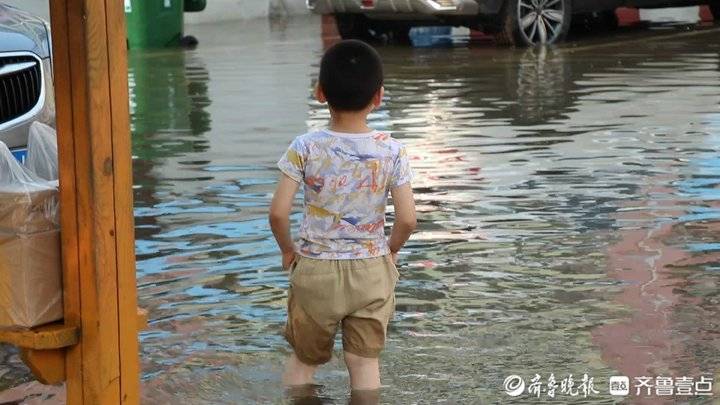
90 74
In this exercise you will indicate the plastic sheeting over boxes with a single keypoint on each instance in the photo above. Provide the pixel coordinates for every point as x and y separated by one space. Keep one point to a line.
28 210
42 157
30 279
30 266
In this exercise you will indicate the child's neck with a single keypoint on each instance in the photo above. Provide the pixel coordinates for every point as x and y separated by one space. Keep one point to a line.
349 122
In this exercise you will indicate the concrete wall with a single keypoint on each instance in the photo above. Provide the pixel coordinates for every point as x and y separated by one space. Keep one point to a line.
217 10
227 10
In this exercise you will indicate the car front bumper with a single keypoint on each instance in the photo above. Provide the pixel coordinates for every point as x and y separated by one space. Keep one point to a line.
15 133
396 9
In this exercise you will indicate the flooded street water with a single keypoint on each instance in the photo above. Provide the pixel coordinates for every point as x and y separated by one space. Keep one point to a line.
569 207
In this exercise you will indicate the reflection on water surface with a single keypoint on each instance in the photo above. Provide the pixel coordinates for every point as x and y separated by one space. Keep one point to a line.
568 212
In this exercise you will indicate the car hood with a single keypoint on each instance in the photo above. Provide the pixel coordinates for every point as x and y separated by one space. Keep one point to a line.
22 31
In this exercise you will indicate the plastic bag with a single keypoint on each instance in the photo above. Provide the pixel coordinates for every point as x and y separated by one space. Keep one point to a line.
42 157
30 279
27 203
30 267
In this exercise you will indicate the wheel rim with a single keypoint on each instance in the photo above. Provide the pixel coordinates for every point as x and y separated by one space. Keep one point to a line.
540 21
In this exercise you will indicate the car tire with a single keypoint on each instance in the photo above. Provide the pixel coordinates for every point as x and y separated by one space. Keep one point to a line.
353 26
518 27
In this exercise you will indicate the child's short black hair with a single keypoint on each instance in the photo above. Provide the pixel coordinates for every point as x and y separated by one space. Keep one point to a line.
350 75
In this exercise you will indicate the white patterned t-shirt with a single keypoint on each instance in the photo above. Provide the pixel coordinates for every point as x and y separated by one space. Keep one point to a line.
346 179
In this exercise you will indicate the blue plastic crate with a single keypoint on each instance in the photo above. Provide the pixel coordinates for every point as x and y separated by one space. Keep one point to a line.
425 37
20 154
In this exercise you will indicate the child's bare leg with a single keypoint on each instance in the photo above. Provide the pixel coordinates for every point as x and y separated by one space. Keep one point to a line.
364 397
364 372
297 372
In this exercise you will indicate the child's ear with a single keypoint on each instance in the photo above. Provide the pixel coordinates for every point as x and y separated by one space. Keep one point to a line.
377 99
319 95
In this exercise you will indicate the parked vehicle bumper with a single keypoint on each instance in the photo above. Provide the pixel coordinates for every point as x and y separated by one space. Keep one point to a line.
396 9
15 133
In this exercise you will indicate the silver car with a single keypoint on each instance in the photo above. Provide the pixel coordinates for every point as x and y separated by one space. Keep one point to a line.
512 22
26 83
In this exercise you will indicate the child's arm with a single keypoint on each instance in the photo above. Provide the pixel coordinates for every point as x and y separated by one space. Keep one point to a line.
405 220
280 210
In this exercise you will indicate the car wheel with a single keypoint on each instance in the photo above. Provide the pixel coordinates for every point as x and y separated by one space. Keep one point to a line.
352 26
534 22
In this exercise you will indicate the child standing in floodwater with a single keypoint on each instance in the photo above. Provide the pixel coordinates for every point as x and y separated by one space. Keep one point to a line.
342 270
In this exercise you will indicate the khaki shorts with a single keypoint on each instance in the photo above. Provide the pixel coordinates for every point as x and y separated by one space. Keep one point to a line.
359 294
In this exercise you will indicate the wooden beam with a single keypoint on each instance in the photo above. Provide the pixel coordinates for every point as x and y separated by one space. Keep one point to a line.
52 336
67 104
90 69
48 366
124 216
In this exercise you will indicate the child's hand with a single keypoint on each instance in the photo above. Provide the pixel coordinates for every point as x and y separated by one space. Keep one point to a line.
287 259
394 257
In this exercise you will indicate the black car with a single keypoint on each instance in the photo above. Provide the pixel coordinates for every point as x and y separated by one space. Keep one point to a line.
514 22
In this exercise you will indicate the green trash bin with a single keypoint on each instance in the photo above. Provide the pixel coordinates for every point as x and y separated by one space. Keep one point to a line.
154 23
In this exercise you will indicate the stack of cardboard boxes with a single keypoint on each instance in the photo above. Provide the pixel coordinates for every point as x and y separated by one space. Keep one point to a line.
30 266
